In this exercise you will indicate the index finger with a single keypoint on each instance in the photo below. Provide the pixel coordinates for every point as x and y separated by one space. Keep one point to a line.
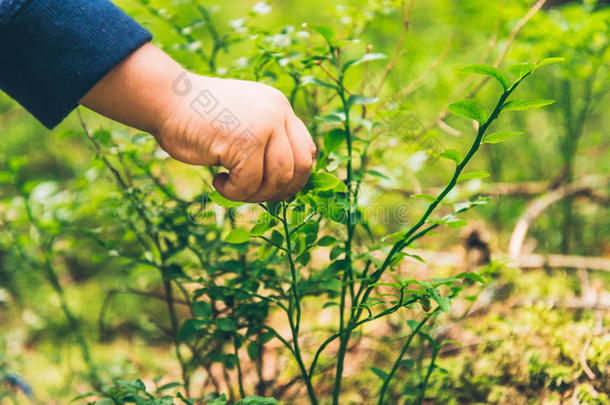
244 179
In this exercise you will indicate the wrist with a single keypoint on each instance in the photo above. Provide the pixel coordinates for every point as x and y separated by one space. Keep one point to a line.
138 91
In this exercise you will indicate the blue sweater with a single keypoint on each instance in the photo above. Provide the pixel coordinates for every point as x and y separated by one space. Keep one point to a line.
52 52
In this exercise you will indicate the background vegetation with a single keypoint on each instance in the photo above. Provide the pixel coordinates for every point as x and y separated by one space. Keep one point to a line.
125 279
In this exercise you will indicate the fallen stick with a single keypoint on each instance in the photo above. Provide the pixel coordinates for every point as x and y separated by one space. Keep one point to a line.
527 261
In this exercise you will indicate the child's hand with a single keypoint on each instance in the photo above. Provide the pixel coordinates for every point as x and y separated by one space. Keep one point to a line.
249 128
246 127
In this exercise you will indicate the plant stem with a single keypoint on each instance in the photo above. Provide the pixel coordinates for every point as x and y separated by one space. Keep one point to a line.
295 319
169 300
405 347
407 238
424 385
240 377
347 274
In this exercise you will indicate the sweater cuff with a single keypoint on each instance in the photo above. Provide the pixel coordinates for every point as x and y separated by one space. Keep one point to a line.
52 52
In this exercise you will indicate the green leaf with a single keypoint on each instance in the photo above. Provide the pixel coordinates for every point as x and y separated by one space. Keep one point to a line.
549 61
221 400
202 309
326 240
6 177
336 252
501 136
481 174
168 386
264 251
324 181
472 276
256 400
189 328
490 71
333 285
443 302
237 236
277 237
326 32
412 324
138 138
424 197
329 305
521 69
333 140
314 80
468 108
223 202
366 58
252 350
522 105
304 259
452 154
376 173
360 100
260 228
84 395
226 324
416 257
380 373
103 137
407 363
396 236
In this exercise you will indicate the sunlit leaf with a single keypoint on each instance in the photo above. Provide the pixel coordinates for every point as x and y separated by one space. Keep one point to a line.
366 58
237 236
360 100
327 32
490 71
521 69
501 136
481 174
468 108
223 202
451 154
324 181
522 105
310 80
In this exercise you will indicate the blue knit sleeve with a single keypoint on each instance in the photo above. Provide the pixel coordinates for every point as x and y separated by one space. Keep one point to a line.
52 52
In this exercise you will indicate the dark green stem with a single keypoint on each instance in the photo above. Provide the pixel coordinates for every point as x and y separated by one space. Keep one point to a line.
424 385
407 238
295 306
405 347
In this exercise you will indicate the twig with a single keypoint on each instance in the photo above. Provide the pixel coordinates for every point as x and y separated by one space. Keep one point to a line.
536 208
398 52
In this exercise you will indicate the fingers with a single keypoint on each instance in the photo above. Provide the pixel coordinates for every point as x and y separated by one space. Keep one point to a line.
278 168
303 151
243 180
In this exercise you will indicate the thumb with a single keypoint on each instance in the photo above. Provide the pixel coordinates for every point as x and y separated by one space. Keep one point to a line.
243 180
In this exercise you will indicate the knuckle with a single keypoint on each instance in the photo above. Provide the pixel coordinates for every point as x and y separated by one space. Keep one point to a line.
283 179
304 165
279 97
249 189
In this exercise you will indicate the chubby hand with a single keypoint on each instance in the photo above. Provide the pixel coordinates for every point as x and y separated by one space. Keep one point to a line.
247 127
